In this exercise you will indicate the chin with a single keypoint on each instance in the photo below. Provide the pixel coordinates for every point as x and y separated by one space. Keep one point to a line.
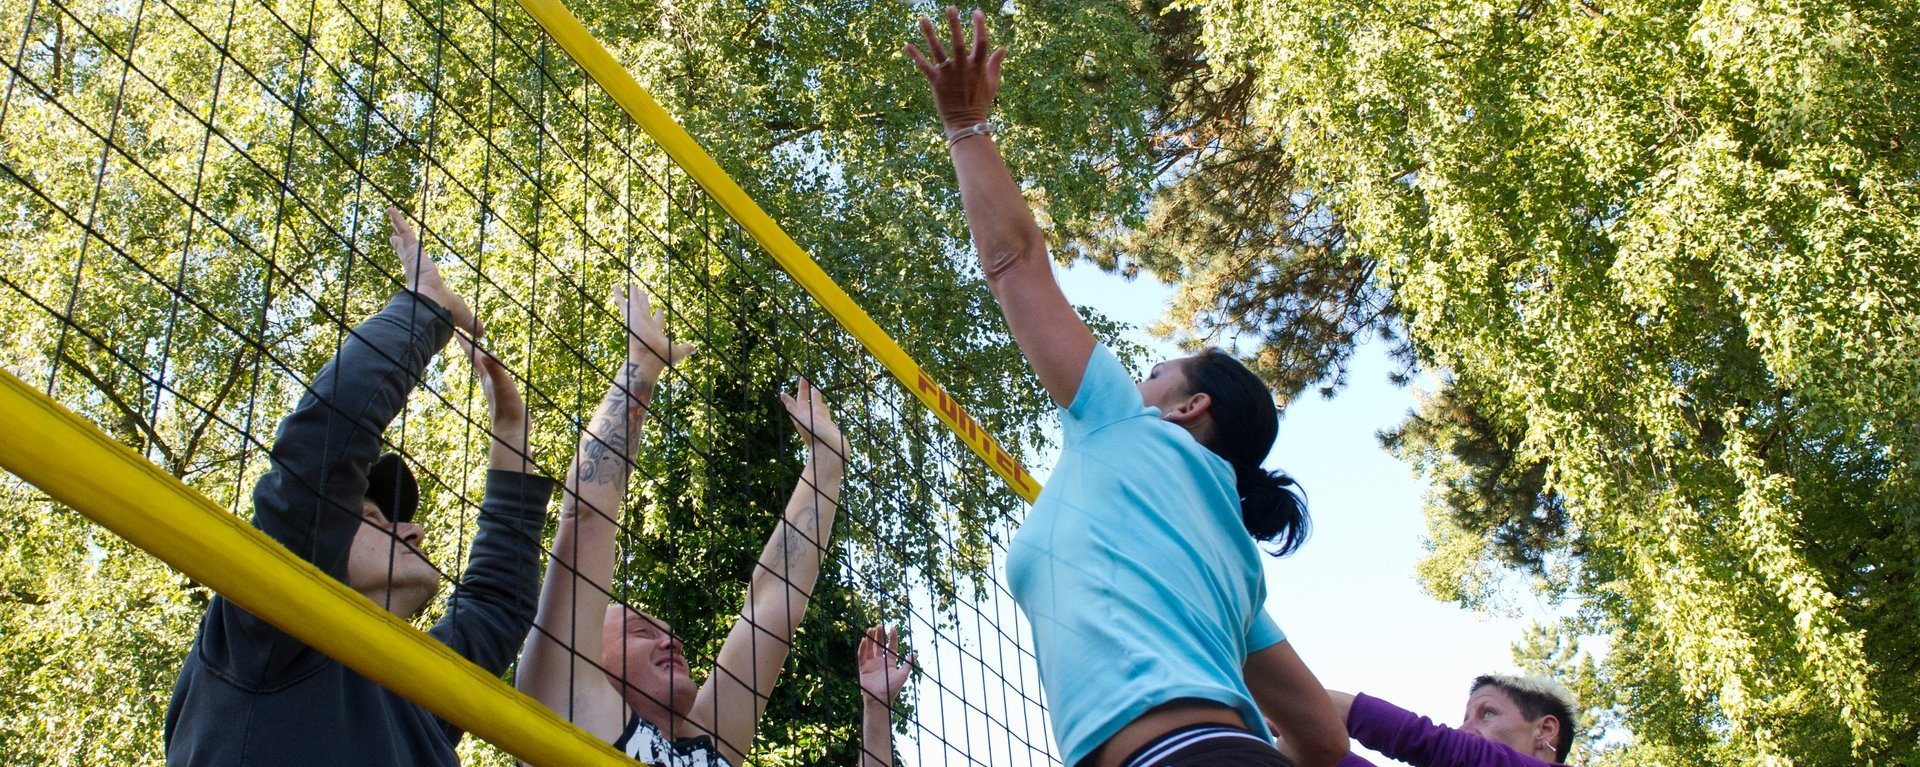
678 692
413 593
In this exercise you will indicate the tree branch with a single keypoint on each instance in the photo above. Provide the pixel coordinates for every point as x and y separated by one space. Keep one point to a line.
131 413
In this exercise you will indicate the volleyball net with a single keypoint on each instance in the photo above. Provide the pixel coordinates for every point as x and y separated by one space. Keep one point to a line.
192 225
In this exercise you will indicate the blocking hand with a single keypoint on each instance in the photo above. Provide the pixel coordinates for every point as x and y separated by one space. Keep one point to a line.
883 671
508 409
964 80
809 411
647 347
422 275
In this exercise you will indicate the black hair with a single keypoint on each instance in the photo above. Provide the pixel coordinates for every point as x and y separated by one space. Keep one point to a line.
1534 704
1244 425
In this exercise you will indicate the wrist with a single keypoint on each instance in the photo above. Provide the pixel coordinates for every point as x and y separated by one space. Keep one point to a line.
951 121
637 382
958 133
643 365
826 461
513 434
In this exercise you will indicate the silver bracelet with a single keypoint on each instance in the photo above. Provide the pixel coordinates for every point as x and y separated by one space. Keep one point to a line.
976 129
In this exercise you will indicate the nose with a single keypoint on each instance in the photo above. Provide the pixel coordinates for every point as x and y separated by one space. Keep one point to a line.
410 533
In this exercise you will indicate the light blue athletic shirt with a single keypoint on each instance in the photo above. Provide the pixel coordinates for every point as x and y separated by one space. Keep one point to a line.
1140 582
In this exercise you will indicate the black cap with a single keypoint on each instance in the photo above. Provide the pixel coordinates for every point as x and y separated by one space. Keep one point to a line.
391 486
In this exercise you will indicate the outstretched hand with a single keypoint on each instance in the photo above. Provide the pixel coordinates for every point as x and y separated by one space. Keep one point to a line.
647 345
965 79
509 410
883 670
809 411
422 275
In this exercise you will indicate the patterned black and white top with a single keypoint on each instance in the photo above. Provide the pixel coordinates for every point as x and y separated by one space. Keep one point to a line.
643 741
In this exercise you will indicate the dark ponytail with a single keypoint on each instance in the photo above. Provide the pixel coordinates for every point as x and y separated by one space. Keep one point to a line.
1244 425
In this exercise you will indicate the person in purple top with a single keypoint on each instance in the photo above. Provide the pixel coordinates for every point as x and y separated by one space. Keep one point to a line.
1511 721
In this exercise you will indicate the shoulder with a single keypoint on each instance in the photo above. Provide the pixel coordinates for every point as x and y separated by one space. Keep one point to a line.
1106 394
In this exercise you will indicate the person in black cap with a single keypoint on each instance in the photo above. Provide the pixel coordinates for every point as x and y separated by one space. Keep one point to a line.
249 694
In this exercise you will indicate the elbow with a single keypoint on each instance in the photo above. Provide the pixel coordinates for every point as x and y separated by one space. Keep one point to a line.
1015 257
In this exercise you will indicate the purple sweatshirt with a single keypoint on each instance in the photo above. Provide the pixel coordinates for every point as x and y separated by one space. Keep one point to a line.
1414 739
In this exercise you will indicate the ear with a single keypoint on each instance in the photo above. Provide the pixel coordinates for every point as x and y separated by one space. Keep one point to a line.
1190 411
1546 736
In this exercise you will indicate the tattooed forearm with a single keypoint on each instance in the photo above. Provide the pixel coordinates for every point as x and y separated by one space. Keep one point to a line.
639 396
614 433
797 538
598 461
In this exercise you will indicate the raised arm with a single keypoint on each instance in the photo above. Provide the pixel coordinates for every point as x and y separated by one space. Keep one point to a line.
309 499
489 611
731 701
883 670
1013 250
561 663
1310 727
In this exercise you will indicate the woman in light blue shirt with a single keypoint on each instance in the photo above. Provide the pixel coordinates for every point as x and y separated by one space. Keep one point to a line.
1137 567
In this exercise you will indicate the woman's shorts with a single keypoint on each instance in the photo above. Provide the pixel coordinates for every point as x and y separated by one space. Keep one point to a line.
1213 745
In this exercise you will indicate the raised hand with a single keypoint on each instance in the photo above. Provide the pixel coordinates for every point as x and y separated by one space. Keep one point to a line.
965 79
647 347
809 411
422 275
883 671
509 410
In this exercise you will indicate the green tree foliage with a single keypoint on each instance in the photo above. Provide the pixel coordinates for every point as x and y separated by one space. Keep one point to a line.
1234 226
191 217
1661 255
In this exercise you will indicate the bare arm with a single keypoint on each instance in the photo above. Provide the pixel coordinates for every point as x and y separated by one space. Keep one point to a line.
1013 250
560 666
508 424
876 734
1342 703
1312 730
731 701
489 612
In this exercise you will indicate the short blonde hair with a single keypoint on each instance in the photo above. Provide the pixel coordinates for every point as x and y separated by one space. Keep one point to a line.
1533 683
